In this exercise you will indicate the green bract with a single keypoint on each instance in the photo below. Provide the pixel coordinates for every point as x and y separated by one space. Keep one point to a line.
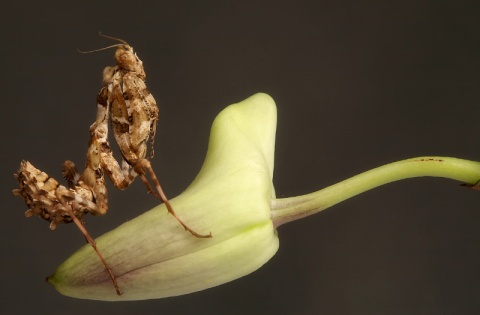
232 197
152 256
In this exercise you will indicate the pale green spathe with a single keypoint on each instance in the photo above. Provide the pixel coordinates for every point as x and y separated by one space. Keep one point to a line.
152 256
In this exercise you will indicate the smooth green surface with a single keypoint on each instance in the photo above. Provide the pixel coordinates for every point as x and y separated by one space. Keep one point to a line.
290 209
233 198
152 256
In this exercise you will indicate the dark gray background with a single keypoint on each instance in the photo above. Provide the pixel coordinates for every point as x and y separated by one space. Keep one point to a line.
357 84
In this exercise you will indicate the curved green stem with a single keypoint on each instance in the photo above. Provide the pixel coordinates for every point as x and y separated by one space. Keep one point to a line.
289 209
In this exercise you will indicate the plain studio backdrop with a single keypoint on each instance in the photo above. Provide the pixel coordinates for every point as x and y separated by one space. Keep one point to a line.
357 83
